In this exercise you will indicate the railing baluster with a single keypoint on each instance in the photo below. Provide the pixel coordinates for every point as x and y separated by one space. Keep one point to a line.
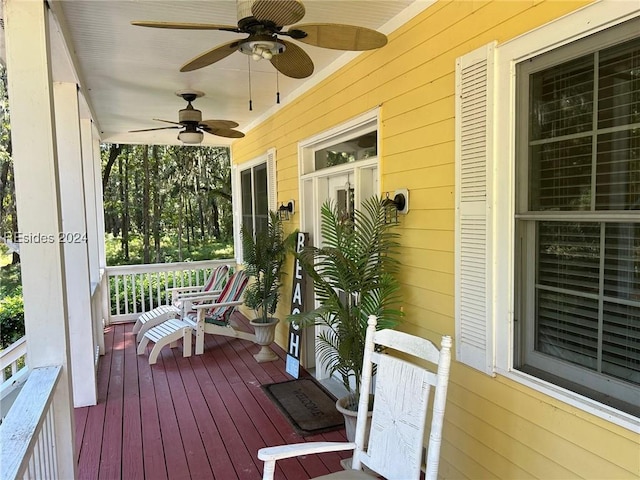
134 305
150 292
117 281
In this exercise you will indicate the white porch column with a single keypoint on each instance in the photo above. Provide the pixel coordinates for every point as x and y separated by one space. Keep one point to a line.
88 173
74 240
95 233
38 205
97 161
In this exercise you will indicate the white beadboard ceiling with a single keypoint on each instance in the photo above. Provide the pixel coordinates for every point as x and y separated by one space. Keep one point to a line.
129 75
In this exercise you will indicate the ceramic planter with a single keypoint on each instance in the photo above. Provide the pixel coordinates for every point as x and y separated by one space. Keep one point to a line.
265 335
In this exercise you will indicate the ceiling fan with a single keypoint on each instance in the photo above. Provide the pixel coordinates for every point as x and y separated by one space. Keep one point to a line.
263 21
190 120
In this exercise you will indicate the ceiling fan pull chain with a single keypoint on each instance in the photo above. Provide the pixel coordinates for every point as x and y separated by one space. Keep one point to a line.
250 101
277 88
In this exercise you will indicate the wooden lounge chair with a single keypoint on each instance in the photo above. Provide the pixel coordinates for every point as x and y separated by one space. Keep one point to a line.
213 318
182 301
401 400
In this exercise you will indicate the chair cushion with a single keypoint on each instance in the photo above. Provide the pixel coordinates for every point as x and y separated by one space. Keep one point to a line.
347 475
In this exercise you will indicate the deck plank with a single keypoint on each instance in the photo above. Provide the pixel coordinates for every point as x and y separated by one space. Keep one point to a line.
132 458
91 436
202 417
111 455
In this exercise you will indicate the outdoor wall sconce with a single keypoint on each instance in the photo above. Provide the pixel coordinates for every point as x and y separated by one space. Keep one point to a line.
396 205
286 211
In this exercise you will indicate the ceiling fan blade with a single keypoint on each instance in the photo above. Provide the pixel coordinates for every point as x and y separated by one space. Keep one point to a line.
211 56
186 26
223 124
224 132
151 129
339 37
293 62
282 12
167 121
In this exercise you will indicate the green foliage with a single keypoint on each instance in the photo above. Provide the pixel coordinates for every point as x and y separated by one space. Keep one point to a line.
167 194
11 305
354 277
168 251
264 255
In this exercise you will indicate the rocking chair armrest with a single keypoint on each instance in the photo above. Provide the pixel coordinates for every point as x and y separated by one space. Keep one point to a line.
270 454
280 452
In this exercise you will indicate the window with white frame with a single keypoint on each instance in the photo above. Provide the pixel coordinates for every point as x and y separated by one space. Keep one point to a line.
255 199
577 317
254 195
547 252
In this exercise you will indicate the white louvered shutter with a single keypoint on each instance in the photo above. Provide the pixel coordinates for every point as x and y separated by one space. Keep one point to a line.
474 119
272 185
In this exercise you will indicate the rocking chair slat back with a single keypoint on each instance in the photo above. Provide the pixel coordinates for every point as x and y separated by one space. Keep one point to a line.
401 401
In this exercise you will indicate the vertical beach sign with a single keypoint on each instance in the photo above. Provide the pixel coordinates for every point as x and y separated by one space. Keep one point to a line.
297 306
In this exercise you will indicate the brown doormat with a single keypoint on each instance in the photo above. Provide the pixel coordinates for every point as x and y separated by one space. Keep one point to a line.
309 408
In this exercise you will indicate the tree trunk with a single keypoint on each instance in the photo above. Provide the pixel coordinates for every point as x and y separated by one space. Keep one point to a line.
114 153
216 219
156 202
145 205
180 221
125 210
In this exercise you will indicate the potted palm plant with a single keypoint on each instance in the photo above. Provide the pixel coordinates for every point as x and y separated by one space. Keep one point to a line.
264 255
354 277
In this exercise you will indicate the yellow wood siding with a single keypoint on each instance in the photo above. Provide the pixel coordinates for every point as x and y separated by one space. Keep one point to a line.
494 427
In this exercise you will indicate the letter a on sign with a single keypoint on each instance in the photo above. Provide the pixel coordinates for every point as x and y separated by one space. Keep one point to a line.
297 306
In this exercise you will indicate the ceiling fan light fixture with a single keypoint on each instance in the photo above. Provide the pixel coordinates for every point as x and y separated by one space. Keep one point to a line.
190 138
259 49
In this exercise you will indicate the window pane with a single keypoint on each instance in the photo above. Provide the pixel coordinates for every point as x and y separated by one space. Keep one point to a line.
618 171
568 327
247 202
569 255
561 175
621 342
562 99
359 148
619 85
260 197
622 262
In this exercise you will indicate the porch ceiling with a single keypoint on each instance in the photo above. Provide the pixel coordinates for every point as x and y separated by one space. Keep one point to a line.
129 75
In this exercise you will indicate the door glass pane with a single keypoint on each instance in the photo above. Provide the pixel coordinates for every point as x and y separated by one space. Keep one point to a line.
358 148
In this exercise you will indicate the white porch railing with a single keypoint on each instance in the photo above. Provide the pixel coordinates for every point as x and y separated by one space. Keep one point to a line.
13 364
134 289
13 357
27 434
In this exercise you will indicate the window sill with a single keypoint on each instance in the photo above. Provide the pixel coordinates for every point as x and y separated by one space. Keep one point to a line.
588 405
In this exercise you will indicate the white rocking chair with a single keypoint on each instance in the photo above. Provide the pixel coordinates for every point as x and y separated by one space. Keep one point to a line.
401 399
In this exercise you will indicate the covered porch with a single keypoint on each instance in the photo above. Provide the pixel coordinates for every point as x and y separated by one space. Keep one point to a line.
188 418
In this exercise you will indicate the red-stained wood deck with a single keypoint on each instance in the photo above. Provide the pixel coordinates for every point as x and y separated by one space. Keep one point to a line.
202 417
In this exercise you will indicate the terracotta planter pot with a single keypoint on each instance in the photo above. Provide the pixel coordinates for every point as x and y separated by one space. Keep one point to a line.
265 334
